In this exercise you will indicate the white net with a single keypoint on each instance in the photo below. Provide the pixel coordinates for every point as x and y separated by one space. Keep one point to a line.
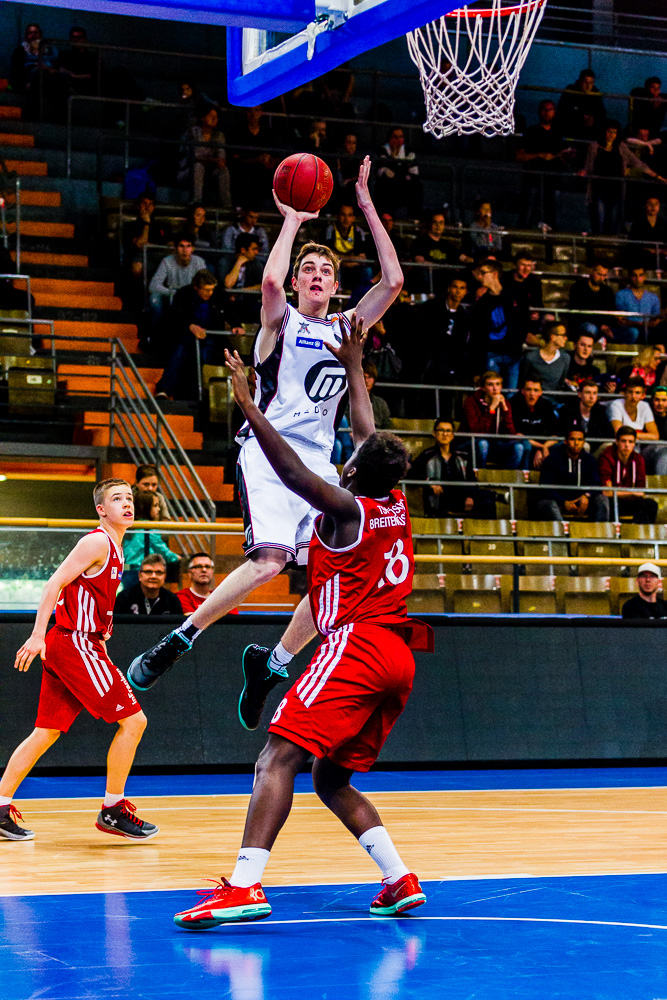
469 63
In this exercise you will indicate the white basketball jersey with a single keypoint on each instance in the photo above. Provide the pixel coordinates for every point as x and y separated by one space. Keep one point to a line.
300 385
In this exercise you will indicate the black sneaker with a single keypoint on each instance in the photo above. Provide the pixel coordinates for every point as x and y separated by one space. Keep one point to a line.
121 821
146 668
260 678
11 830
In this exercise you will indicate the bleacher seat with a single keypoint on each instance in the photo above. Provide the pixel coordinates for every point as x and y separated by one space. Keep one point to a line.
448 542
537 595
583 595
641 540
588 539
527 530
489 547
620 589
426 602
478 593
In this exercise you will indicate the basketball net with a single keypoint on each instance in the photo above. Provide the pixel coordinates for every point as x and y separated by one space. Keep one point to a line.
469 63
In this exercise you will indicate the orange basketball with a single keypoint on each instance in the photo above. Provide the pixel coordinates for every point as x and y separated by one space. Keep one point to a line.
304 182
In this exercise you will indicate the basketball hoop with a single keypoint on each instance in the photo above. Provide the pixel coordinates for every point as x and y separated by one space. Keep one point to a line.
469 63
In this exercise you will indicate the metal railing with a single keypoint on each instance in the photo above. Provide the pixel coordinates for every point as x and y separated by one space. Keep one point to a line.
10 209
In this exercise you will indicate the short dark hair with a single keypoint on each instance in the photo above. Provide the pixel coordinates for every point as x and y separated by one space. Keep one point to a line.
591 383
652 79
154 559
458 277
204 277
184 237
494 265
244 240
442 420
634 381
381 462
600 262
584 333
532 378
370 369
525 254
575 430
626 431
198 555
550 328
543 104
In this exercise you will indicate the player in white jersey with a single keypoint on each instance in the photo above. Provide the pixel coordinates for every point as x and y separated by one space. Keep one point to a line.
300 388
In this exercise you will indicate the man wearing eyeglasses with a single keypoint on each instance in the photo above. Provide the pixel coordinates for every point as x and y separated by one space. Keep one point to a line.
202 572
149 596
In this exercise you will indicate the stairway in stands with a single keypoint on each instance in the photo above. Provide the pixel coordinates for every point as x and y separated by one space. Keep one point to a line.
79 297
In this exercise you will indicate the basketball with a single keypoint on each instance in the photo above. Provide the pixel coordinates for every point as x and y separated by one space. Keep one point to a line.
304 182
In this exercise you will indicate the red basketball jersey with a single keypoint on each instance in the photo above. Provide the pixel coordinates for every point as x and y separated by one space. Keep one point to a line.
370 580
86 604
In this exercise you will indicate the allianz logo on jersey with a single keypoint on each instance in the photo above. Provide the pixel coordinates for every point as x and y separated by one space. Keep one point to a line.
314 345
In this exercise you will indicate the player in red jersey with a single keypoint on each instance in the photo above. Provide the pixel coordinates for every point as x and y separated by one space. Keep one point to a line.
77 673
343 707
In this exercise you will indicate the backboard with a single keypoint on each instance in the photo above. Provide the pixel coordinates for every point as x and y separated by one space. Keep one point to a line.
262 64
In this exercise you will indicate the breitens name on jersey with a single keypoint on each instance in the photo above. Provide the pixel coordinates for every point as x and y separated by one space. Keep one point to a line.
397 518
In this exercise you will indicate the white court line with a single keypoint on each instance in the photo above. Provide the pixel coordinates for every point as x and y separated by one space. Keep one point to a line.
310 885
411 808
520 920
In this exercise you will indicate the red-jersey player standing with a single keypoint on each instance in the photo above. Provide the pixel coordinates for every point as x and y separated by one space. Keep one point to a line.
360 567
77 673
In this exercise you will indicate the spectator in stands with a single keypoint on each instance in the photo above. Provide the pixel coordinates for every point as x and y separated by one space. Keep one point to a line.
581 363
203 165
646 603
586 414
483 237
593 295
201 569
649 106
431 248
398 188
252 165
348 240
188 99
607 163
136 235
195 310
498 326
78 64
245 273
636 299
34 73
655 456
650 228
526 288
620 465
633 411
149 596
534 417
551 363
649 365
447 336
347 170
487 411
343 446
542 151
197 228
174 272
643 146
568 464
247 225
443 462
138 544
146 478
400 246
581 108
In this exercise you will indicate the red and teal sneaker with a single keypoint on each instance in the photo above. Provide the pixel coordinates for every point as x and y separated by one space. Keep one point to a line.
225 904
399 897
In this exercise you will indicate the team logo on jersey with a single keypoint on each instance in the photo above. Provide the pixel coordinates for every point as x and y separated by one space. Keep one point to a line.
315 345
324 380
303 328
114 572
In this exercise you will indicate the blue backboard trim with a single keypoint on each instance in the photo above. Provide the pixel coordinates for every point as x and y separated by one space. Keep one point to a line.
363 31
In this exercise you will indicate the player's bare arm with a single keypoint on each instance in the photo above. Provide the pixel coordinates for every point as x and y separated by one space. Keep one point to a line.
276 269
377 299
350 353
88 555
332 500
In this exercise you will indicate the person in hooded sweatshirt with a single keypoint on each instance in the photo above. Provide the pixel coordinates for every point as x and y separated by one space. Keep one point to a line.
569 465
620 465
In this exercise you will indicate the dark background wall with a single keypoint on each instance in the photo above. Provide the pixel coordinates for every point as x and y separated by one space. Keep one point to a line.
495 690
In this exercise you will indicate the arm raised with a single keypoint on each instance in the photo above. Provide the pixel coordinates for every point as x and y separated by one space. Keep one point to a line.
350 354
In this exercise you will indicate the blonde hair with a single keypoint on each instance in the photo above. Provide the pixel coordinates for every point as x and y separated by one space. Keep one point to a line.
321 251
100 489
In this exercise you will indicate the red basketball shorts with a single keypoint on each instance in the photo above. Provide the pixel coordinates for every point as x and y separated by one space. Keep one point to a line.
346 702
77 674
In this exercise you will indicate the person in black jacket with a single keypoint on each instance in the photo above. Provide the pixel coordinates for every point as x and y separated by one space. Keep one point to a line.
569 465
592 294
534 417
443 462
499 325
194 310
646 604
587 414
149 597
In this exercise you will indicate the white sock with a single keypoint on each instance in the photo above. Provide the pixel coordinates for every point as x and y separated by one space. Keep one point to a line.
5 800
189 630
279 659
250 865
379 845
111 800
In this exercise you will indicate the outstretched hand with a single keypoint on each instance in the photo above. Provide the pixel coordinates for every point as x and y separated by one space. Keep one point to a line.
291 213
239 380
351 348
361 187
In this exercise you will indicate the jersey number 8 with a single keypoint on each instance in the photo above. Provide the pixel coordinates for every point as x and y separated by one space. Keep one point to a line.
398 565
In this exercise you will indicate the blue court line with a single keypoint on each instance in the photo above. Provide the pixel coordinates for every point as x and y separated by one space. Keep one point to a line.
377 781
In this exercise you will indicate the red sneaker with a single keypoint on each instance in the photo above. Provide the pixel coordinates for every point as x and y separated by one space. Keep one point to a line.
225 903
402 895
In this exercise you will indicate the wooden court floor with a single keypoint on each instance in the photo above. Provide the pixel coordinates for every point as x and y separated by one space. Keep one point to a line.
441 835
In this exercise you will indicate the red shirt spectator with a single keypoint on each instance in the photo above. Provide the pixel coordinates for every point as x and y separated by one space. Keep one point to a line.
621 466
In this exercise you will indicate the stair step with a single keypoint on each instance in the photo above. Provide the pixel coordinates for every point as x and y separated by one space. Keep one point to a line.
55 259
44 199
61 230
210 475
9 111
17 139
109 303
96 379
27 168
126 332
98 423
